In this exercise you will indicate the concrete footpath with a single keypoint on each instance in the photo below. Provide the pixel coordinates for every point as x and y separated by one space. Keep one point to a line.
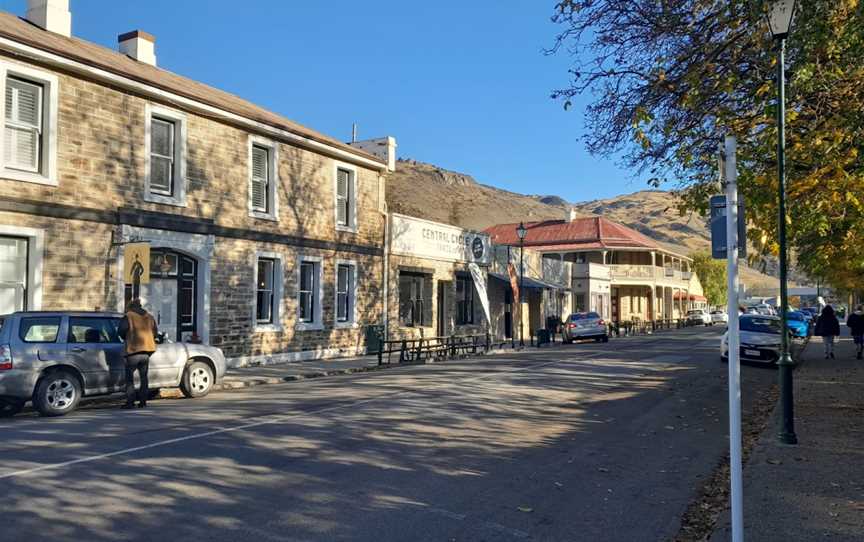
813 490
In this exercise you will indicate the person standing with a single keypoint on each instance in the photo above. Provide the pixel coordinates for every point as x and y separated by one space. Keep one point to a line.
828 327
856 327
138 329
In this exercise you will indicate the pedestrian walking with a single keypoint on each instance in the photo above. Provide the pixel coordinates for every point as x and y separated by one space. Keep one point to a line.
138 329
828 327
856 327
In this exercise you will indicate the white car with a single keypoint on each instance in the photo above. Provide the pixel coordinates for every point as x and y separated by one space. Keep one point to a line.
760 339
719 317
698 317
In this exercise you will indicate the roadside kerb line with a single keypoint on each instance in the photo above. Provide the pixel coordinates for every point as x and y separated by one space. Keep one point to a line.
277 419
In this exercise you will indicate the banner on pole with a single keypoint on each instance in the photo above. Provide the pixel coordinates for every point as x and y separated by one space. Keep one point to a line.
514 283
480 284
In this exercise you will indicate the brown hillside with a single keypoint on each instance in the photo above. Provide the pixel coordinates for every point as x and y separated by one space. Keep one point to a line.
427 191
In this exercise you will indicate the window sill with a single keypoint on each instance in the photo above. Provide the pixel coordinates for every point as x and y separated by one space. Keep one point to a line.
268 328
179 201
309 327
27 177
346 325
264 216
346 229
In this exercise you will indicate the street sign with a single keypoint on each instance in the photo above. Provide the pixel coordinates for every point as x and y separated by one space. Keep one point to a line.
718 229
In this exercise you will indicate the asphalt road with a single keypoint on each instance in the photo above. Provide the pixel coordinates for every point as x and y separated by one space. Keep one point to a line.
587 442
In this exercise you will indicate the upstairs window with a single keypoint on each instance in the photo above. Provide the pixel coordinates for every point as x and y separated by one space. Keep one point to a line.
23 133
262 179
264 296
162 156
345 199
29 146
165 148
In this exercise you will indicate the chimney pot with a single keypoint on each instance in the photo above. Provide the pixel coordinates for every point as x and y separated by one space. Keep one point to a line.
571 214
138 45
52 15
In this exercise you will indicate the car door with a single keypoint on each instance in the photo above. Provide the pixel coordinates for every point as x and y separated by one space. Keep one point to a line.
94 344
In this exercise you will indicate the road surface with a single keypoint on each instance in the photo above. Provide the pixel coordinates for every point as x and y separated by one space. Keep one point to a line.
585 442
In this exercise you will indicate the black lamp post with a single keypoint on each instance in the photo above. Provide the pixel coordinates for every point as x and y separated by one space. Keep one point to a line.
780 14
521 232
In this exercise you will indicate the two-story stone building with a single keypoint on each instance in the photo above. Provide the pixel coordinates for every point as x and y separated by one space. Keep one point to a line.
266 237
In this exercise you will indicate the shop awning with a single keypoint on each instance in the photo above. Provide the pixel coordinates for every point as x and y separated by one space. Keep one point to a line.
528 283
691 297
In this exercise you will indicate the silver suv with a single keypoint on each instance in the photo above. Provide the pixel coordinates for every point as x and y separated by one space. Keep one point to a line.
56 358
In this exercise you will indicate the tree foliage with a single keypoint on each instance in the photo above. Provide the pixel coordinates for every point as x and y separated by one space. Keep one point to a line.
670 78
712 275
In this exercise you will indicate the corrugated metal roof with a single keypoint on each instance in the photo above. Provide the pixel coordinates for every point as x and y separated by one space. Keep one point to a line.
91 54
581 233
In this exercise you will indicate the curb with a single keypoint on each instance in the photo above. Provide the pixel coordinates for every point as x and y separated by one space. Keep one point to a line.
254 382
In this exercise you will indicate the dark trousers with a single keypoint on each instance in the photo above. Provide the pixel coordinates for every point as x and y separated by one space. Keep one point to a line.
141 363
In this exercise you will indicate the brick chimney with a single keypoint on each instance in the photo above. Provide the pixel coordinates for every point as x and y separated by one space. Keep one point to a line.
52 15
571 215
138 45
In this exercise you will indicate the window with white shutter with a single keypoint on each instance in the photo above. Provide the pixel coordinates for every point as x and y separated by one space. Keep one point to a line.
22 136
260 181
345 292
162 156
344 198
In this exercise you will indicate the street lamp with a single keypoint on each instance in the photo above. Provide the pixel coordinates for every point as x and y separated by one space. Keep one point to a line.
779 15
521 232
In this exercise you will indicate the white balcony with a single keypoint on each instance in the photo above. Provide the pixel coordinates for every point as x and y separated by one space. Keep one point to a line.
591 271
648 273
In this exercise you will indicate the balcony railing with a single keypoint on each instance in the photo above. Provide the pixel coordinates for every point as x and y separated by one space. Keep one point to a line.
648 272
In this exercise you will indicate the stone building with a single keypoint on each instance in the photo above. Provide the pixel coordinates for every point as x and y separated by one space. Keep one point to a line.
432 291
266 237
613 270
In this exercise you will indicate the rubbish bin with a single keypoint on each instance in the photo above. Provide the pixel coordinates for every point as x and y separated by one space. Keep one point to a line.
374 338
542 337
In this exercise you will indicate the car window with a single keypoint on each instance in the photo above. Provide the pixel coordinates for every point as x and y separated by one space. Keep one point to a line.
593 315
93 330
577 316
761 325
795 316
39 329
693 312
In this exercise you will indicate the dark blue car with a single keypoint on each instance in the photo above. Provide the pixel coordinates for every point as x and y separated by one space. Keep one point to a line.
798 324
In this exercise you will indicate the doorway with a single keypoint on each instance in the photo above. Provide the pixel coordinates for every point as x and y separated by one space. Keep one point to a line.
171 293
441 308
508 313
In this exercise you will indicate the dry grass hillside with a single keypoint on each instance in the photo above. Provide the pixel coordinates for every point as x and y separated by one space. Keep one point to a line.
427 191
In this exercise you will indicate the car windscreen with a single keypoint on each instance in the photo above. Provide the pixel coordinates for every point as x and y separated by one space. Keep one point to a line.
795 316
718 312
578 316
689 313
760 325
593 315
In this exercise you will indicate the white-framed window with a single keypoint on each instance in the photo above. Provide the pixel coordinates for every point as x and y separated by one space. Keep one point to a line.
346 293
309 293
21 251
263 178
29 135
345 197
165 156
268 292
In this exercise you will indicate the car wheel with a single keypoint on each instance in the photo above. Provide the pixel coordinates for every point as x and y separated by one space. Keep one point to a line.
57 393
198 380
9 406
724 359
605 338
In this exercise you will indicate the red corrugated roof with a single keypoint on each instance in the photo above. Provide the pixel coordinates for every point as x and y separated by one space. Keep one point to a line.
581 233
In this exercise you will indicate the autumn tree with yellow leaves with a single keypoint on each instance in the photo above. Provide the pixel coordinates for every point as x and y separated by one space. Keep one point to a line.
668 79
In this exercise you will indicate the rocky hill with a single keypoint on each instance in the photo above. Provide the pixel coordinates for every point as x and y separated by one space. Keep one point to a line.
427 191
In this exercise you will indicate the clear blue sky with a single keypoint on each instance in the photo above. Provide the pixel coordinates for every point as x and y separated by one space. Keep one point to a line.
461 84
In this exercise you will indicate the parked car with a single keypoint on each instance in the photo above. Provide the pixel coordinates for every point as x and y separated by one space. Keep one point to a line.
759 336
798 324
719 317
585 325
699 317
55 358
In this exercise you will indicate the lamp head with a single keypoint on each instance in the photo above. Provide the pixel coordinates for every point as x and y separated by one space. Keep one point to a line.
521 231
779 15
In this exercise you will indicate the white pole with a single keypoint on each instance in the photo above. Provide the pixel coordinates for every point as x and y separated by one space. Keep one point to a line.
734 341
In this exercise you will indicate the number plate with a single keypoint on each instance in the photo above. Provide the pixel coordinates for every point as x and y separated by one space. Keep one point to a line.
753 353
